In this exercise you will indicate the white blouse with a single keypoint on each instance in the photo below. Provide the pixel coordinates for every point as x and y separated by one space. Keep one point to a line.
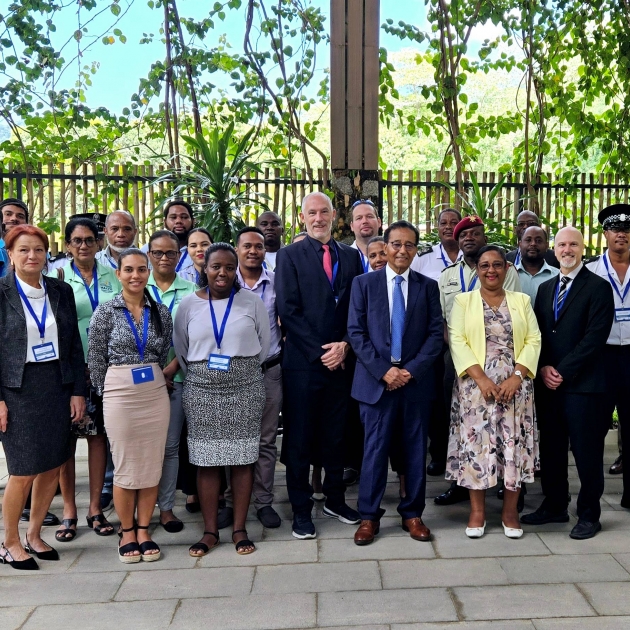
36 298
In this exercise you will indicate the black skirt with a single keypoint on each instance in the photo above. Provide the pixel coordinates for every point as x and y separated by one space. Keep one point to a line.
38 434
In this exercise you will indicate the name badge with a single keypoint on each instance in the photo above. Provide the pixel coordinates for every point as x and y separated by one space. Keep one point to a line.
219 362
44 352
622 314
142 374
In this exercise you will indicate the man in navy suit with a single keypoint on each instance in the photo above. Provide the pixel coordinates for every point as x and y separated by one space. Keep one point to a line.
313 280
396 331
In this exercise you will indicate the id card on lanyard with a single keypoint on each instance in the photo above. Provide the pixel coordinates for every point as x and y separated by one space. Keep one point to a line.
220 362
143 374
42 351
622 314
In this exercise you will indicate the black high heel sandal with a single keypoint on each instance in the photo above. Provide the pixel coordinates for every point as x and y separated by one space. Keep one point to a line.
149 545
101 524
133 546
200 546
20 565
65 534
246 542
51 554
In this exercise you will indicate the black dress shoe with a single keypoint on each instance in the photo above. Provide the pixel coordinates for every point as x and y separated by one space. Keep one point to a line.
617 466
455 494
269 517
49 554
226 515
436 469
49 520
625 502
542 516
350 476
585 530
173 527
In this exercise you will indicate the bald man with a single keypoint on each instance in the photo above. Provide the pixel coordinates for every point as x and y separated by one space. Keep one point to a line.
575 312
524 220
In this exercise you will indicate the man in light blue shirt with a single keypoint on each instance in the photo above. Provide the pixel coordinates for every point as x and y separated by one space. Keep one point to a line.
532 267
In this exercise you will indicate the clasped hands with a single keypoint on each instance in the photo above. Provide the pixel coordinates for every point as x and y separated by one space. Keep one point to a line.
551 377
335 355
396 377
500 393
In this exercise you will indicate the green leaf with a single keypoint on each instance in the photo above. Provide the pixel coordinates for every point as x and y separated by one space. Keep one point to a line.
115 8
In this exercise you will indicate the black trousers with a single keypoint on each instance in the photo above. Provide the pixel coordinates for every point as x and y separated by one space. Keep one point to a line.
618 380
580 419
314 410
441 410
353 439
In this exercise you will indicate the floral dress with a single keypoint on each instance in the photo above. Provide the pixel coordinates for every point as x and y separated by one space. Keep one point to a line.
489 440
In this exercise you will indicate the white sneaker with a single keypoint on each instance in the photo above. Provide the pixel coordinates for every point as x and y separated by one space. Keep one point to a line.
476 532
511 532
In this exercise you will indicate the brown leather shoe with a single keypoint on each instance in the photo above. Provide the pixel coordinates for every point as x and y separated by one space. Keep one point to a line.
417 529
617 467
366 532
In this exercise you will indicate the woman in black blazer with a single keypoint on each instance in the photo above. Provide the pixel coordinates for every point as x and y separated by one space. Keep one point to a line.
42 389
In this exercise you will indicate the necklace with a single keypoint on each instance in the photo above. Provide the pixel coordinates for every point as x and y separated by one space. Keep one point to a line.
494 307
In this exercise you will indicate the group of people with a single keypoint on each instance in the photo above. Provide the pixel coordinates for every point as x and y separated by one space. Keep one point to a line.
176 360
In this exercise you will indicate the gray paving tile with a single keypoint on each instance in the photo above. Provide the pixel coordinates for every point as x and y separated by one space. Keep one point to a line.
254 612
583 623
153 615
425 573
458 545
13 618
37 590
467 625
383 548
607 541
317 578
610 598
328 528
526 601
272 552
557 569
623 559
373 607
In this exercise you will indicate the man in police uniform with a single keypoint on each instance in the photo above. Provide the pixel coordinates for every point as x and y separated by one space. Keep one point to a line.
457 278
613 266
433 262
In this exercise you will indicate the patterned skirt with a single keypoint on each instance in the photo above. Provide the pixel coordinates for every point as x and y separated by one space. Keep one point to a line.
224 411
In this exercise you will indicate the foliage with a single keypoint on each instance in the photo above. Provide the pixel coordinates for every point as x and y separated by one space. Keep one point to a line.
214 179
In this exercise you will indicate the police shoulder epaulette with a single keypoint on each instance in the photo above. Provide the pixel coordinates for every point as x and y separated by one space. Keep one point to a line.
452 265
592 259
424 253
59 256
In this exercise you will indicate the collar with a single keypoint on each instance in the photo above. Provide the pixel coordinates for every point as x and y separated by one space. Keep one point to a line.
119 302
438 249
101 270
545 267
264 277
573 272
319 245
178 283
391 274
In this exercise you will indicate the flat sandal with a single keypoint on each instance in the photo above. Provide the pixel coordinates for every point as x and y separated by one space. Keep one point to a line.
200 546
246 542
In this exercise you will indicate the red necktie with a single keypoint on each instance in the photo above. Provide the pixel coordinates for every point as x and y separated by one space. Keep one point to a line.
328 263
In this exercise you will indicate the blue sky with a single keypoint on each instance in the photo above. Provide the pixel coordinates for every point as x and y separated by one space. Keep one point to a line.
121 65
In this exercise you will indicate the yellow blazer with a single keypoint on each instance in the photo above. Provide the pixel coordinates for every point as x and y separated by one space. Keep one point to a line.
467 336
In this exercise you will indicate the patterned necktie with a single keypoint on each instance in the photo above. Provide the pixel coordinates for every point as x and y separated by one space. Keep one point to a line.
398 319
328 268
562 293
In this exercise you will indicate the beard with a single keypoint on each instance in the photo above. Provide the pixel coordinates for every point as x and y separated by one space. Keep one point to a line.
569 263
118 249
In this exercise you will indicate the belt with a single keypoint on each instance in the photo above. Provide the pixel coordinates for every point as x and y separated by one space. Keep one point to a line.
272 362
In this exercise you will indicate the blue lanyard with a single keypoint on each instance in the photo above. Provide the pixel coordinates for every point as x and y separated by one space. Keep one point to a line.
197 277
141 344
262 295
472 284
364 261
41 324
158 299
517 258
557 308
109 260
218 334
443 257
612 281
181 260
93 298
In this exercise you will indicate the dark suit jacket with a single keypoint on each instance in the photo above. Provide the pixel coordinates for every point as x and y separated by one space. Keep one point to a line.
369 331
13 336
550 257
574 344
306 303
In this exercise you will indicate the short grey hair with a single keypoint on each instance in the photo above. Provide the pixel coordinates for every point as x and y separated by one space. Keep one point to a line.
319 194
125 212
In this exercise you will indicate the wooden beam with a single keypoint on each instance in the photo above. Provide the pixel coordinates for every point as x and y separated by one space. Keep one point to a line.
354 94
371 85
338 84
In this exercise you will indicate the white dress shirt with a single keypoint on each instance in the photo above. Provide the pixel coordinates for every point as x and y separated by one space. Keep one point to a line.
391 283
270 260
364 258
433 263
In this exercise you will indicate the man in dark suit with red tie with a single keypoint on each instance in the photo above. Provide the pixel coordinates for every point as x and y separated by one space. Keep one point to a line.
313 280
396 331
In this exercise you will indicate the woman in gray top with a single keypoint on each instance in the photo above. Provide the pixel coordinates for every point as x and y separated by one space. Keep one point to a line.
221 339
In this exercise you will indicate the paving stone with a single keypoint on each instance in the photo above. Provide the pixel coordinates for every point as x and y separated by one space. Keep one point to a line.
583 623
610 598
186 584
458 545
521 602
623 559
13 618
272 552
466 625
424 573
317 578
37 590
607 541
153 615
383 548
557 569
254 612
373 607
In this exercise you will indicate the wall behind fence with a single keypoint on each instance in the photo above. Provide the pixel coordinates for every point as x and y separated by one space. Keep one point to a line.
57 191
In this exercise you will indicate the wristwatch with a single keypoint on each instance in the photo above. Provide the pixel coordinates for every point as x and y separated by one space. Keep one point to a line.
519 374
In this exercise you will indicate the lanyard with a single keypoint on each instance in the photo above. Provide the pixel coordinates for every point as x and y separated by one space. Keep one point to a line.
612 281
41 324
517 258
93 298
364 261
109 260
472 284
196 277
141 344
181 260
158 299
218 334
556 308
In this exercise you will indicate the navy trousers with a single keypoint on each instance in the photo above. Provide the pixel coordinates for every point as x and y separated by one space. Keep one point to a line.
395 410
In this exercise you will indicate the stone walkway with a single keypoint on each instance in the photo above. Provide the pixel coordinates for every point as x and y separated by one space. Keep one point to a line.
544 581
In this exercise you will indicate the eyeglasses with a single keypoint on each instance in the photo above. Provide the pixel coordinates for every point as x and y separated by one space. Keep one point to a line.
396 245
618 229
362 202
496 266
90 241
171 254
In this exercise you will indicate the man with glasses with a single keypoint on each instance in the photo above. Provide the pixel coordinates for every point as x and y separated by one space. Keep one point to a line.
365 224
524 220
120 230
394 380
